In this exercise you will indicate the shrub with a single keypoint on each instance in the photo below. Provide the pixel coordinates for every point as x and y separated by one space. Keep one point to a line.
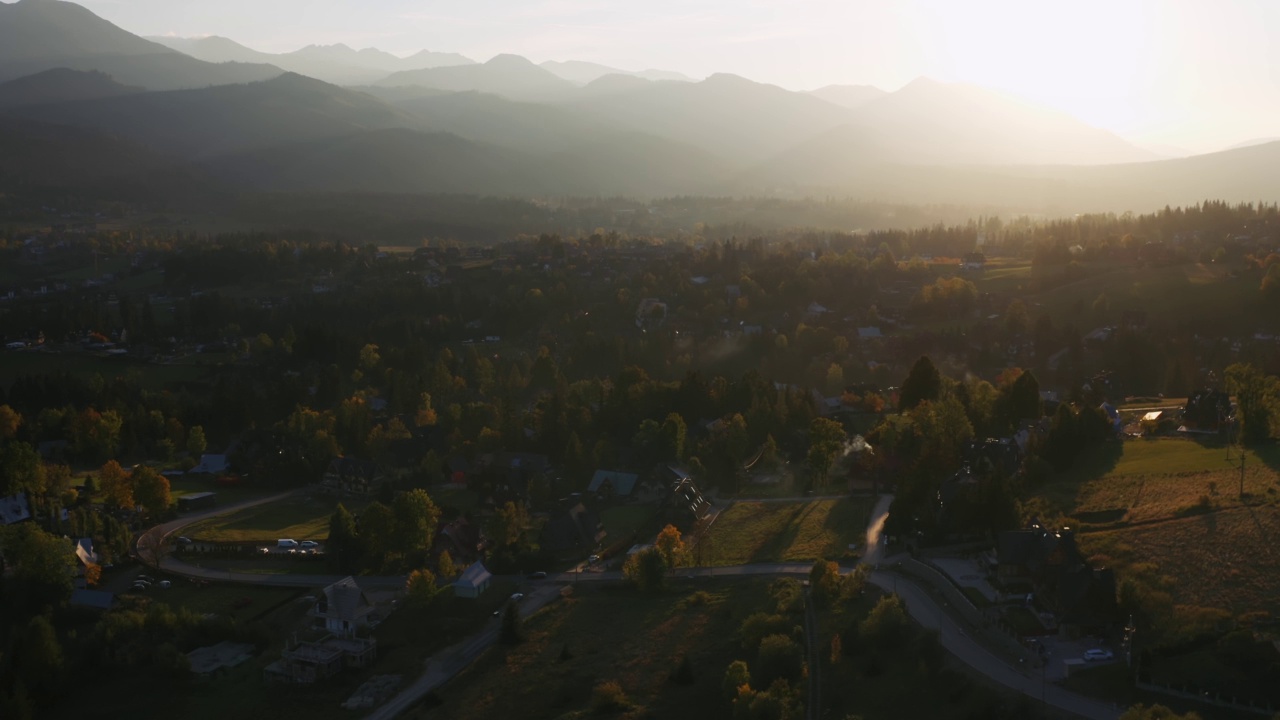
608 697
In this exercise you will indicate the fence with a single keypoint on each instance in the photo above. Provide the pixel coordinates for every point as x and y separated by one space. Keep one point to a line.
1185 693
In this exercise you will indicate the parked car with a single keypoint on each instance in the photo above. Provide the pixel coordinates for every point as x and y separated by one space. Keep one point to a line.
144 578
308 544
593 559
140 586
517 597
287 544
183 540
165 584
540 575
1096 654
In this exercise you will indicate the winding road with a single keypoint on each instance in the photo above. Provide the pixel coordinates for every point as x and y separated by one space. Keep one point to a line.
446 664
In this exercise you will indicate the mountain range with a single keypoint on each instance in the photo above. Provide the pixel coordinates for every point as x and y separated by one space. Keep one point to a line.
438 122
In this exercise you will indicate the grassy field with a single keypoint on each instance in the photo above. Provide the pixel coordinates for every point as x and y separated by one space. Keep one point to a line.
1145 480
621 521
750 532
299 517
1226 559
612 633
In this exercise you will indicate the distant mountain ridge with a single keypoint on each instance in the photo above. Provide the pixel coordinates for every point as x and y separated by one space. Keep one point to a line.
584 73
61 85
39 35
336 64
510 76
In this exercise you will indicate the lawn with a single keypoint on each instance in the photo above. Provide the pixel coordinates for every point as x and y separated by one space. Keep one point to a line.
300 517
612 633
749 532
1144 480
1226 559
621 521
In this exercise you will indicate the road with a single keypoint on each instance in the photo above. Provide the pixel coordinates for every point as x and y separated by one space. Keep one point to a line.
442 667
956 640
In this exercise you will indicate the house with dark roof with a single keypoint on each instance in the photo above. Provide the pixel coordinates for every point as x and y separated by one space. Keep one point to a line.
611 483
572 530
1081 596
93 599
684 504
351 476
14 509
342 609
461 538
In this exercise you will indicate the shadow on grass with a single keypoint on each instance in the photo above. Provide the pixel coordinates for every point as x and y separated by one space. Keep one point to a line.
773 550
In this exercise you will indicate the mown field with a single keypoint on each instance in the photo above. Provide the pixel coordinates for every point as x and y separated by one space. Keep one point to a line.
1145 480
758 532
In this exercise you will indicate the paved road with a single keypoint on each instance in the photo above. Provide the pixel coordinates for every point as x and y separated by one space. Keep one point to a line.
957 641
443 666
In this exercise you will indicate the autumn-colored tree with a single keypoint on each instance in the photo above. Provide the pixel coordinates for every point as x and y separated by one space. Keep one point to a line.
151 490
826 438
115 486
421 588
445 566
196 443
837 649
10 421
672 546
646 569
92 574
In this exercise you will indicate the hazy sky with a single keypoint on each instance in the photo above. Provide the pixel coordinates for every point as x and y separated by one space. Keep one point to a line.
1202 74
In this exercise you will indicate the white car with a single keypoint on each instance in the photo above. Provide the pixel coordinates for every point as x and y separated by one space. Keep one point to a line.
1097 654
309 545
517 597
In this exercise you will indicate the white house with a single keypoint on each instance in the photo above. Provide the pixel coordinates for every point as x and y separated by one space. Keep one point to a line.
343 608
473 581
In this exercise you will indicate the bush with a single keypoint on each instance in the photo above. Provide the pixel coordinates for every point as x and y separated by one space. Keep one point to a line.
780 658
512 625
607 697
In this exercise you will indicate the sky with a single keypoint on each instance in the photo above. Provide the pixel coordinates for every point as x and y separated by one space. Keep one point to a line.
1196 74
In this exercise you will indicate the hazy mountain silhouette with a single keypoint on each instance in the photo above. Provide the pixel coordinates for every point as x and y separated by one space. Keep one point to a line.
38 35
936 123
41 157
849 96
337 64
510 76
531 127
216 120
61 85
582 73
1253 142
725 114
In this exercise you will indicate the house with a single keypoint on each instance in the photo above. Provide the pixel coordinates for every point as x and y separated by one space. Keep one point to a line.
684 505
211 465
1206 410
610 483
973 261
473 581
84 552
651 313
197 501
1082 597
869 333
14 509
461 539
342 609
350 476
815 311
572 528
